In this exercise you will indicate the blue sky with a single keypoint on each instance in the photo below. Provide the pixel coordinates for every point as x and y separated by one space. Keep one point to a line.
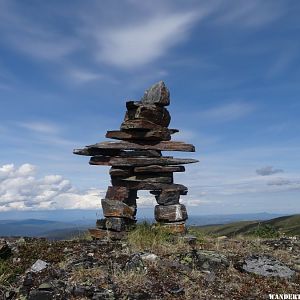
232 67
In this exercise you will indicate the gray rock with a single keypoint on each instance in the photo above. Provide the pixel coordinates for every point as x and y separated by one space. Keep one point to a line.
205 260
176 290
28 280
39 266
149 257
40 295
267 266
135 263
46 286
157 94
9 295
5 250
105 294
78 291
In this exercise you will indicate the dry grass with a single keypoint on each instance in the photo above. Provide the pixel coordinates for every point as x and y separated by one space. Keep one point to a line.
154 239
87 276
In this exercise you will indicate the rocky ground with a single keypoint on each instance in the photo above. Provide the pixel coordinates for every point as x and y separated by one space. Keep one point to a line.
149 264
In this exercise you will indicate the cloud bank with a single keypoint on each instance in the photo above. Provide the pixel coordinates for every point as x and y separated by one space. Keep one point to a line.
21 189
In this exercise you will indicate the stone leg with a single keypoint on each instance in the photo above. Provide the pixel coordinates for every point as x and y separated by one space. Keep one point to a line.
119 210
169 212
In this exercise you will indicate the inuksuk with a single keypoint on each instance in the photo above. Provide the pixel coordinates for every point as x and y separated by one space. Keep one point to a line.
137 163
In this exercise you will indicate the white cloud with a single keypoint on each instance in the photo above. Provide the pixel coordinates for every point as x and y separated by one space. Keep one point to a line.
35 38
40 127
135 45
45 133
230 174
84 76
21 189
255 13
228 112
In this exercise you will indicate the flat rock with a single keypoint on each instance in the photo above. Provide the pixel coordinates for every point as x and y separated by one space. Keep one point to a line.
124 172
157 94
41 295
149 178
39 266
96 151
139 161
141 145
150 135
170 213
114 208
137 153
117 193
158 169
266 266
173 227
151 186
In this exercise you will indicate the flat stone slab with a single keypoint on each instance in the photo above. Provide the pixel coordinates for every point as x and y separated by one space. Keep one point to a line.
267 266
139 161
155 135
158 169
138 145
39 266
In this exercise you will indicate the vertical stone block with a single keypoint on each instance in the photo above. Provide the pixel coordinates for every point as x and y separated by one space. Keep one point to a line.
170 213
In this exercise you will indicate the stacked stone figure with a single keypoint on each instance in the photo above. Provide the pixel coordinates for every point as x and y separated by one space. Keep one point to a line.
137 164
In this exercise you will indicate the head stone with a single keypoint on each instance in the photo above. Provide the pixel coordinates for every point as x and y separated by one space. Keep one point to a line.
157 94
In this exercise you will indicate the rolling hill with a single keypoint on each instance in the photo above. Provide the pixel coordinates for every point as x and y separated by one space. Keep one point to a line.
41 228
289 225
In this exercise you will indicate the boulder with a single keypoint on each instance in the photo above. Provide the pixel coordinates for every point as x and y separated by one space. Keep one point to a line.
204 260
115 208
5 250
39 266
157 94
40 295
265 265
170 213
135 263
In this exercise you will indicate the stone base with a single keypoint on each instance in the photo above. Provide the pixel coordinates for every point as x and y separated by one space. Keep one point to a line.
174 227
100 234
115 224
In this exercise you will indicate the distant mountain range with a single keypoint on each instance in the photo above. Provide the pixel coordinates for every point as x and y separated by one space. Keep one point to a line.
290 225
225 219
62 230
39 228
